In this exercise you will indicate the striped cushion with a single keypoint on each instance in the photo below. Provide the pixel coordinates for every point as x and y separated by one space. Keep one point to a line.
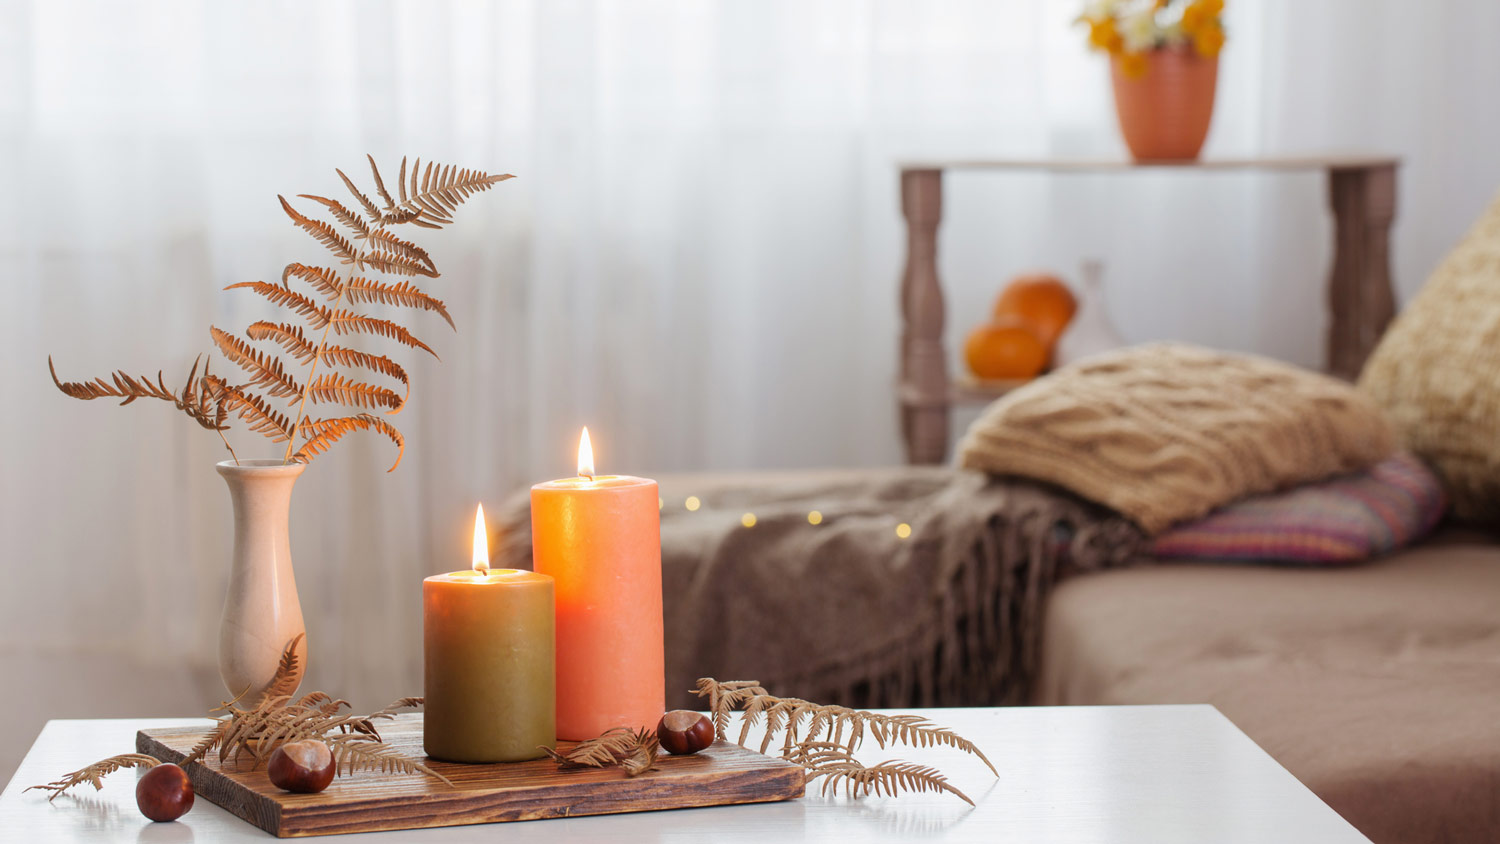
1344 520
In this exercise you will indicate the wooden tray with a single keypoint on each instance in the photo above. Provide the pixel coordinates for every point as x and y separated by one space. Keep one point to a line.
368 802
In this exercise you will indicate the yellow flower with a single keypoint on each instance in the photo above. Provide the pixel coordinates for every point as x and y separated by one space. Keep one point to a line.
1133 65
1192 19
1200 15
1209 40
1103 35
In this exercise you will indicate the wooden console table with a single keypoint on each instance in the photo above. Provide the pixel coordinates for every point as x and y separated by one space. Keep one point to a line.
1362 195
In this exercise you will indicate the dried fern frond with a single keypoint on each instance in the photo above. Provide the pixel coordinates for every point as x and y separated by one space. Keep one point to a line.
841 725
379 182
190 400
324 280
643 757
438 192
402 293
124 386
349 322
289 671
428 199
384 241
633 751
351 756
264 370
213 739
95 773
724 698
831 758
822 738
255 411
366 724
785 715
286 335
398 216
277 718
333 387
837 766
600 752
370 210
316 315
322 702
350 738
200 400
323 433
388 712
358 227
394 262
399 704
917 731
322 232
340 356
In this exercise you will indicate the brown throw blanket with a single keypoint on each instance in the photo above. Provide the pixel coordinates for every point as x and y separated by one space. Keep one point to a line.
849 610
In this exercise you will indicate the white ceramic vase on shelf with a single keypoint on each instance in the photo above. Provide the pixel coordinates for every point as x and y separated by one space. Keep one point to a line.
1091 331
261 611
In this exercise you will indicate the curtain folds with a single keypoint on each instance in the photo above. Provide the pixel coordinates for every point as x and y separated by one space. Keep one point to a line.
698 258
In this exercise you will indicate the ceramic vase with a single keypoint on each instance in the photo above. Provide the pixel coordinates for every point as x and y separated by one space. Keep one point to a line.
1164 114
261 611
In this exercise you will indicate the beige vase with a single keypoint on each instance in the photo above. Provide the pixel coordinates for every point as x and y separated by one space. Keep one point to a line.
261 611
1165 114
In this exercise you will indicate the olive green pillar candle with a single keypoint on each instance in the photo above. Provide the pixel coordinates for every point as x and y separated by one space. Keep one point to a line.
490 647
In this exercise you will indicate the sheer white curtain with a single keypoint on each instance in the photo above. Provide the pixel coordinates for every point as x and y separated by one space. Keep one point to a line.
698 258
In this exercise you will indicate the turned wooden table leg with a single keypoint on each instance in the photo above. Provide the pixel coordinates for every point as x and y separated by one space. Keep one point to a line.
923 391
1361 301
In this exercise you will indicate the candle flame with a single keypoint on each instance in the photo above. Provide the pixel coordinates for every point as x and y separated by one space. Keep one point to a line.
481 543
585 456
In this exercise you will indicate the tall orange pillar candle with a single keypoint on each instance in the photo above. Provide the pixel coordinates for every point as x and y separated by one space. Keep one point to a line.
488 655
599 538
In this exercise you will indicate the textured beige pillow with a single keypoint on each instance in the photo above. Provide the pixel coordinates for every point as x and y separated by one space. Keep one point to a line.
1436 372
1167 431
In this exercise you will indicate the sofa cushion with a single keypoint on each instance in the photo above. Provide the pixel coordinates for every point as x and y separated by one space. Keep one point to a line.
1375 685
1343 520
1168 431
1436 372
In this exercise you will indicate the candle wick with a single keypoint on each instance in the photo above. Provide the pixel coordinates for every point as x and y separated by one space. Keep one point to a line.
585 475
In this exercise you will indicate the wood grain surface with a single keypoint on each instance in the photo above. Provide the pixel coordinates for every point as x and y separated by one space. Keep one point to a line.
369 802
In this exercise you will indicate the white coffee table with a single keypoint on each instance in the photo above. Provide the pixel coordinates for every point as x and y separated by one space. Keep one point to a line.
1158 774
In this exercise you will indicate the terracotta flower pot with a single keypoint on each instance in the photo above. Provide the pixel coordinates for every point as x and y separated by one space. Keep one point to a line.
1164 114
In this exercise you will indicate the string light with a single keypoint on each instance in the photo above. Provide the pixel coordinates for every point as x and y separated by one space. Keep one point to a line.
814 518
748 520
903 530
692 503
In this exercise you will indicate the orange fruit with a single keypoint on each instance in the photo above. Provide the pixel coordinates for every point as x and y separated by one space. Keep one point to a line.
1041 301
1006 348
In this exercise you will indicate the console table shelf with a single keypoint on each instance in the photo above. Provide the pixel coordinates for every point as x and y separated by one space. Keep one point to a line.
1361 301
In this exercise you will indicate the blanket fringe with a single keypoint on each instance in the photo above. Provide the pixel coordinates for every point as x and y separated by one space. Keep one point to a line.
982 646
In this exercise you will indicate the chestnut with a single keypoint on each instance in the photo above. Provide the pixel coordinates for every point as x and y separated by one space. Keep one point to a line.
164 793
683 731
305 767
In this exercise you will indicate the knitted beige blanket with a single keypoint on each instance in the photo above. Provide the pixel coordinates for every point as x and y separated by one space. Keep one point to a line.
1166 432
857 609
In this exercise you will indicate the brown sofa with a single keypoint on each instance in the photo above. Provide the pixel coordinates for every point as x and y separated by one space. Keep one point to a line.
1377 685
